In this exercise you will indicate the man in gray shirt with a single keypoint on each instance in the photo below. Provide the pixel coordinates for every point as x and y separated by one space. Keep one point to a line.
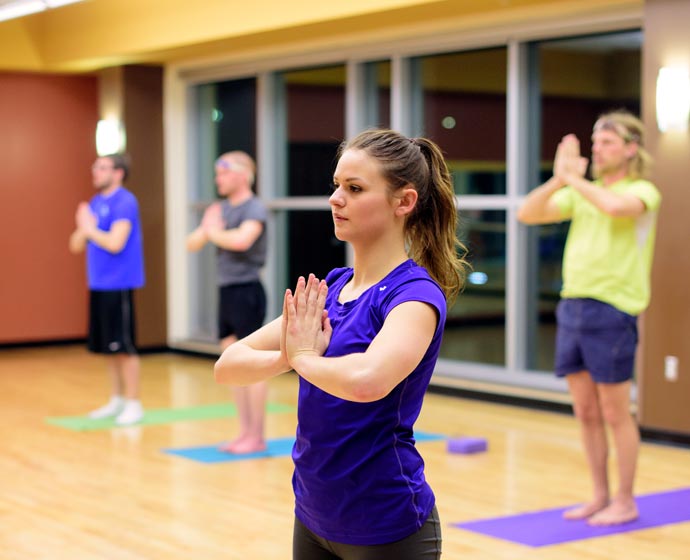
237 227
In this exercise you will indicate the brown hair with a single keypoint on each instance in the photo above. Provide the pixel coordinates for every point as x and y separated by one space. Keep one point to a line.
431 229
120 161
630 129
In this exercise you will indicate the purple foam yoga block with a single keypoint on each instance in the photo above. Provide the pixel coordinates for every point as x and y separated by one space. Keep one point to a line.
467 445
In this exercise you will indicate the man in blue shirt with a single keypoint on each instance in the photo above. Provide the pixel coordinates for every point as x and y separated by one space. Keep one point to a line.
109 229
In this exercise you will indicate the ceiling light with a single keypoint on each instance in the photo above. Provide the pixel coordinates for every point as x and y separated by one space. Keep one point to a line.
19 8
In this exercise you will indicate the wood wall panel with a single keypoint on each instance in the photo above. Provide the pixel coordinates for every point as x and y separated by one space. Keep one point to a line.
142 105
663 403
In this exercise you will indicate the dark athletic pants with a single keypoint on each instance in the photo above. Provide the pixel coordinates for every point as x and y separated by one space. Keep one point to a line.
425 544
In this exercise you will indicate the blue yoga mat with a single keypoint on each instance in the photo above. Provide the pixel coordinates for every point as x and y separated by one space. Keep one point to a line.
281 447
547 527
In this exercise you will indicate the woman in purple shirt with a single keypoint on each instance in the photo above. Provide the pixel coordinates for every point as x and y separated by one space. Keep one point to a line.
364 342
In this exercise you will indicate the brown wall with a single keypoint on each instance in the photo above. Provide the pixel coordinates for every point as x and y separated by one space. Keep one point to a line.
142 106
47 126
663 405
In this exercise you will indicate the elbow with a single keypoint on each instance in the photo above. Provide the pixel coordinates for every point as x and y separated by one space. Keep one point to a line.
115 248
525 217
226 373
220 372
365 389
196 240
522 216
616 210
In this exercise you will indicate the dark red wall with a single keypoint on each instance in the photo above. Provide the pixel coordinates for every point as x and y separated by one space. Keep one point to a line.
47 127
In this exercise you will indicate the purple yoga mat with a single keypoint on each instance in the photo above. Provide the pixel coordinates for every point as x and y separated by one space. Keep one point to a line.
547 527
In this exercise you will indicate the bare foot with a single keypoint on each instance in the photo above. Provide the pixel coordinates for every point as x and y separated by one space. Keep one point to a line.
249 445
229 447
617 513
585 510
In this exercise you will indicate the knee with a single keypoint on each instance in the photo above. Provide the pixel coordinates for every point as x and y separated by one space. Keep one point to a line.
616 416
589 413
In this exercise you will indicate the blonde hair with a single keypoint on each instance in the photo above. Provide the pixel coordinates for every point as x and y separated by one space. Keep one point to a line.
631 130
241 158
431 229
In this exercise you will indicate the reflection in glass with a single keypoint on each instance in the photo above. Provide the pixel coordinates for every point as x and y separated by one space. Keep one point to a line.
310 245
316 126
475 328
464 99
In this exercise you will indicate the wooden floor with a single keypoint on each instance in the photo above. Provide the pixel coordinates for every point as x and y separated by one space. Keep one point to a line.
115 495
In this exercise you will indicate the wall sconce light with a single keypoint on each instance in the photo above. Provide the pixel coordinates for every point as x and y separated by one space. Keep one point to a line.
672 98
110 137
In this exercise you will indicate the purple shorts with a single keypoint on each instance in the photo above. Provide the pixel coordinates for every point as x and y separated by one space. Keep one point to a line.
596 337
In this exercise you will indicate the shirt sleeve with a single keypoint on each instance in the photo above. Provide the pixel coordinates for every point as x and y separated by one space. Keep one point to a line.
564 199
258 212
647 193
126 209
420 289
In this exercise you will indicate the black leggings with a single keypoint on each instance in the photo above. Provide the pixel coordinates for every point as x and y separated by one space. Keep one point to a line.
425 544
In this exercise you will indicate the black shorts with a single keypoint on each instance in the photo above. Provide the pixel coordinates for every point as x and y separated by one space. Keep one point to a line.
241 309
111 322
425 544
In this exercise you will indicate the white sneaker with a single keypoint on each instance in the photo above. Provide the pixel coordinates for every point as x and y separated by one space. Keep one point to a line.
132 413
111 408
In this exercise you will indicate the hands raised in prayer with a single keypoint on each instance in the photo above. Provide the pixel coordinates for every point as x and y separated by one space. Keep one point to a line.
306 328
213 218
568 163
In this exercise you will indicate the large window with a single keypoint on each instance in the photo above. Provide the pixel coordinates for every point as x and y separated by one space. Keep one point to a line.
475 328
315 114
608 77
315 125
226 121
463 109
497 113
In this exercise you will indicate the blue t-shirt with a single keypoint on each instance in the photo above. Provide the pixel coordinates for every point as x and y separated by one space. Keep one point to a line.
358 477
123 270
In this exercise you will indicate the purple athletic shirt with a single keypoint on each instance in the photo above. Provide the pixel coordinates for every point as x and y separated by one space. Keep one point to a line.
358 477
123 270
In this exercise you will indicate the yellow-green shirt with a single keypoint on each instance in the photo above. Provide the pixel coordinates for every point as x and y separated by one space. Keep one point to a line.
608 258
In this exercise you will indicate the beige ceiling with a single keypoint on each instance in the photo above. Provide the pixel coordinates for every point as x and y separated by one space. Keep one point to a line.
96 34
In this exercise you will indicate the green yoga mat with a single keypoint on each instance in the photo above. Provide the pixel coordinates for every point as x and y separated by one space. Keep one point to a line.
160 416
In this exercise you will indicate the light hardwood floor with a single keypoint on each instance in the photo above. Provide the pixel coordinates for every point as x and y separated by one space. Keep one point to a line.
115 495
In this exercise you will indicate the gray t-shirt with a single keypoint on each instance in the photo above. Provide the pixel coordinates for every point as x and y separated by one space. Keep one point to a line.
239 267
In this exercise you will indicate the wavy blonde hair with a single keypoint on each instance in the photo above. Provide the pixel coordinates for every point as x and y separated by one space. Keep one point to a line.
631 130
